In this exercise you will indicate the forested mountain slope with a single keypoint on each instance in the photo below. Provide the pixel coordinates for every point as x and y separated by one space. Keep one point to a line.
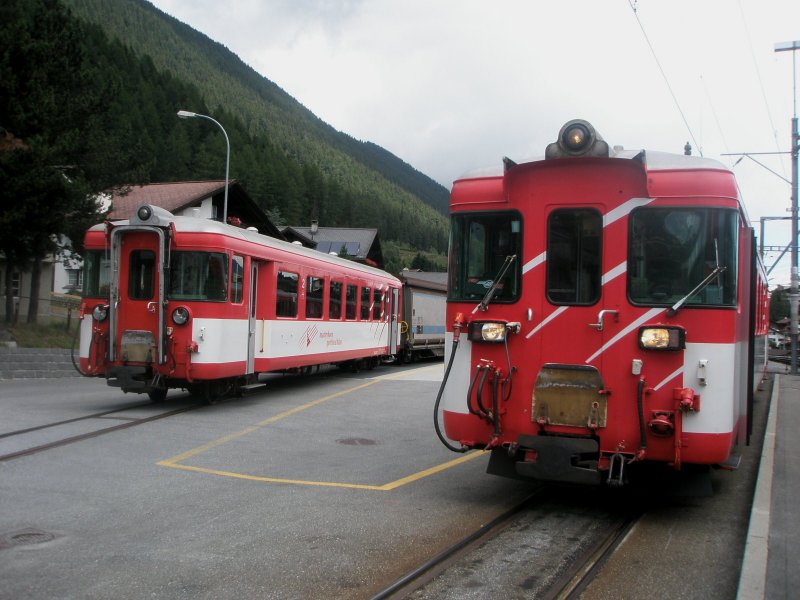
329 174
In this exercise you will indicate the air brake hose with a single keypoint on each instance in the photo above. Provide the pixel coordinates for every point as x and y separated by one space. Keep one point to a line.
447 444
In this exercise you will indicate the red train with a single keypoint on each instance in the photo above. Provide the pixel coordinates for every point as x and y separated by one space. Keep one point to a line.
605 307
182 302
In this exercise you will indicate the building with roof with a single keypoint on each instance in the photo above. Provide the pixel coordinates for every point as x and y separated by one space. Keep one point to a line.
204 199
358 244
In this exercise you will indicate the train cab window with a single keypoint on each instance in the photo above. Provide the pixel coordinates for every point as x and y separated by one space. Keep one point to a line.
141 274
198 276
315 290
366 306
574 265
377 306
351 299
335 300
237 279
96 274
287 294
482 247
679 253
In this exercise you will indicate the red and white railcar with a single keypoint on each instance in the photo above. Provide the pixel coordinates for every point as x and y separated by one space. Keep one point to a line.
182 302
605 307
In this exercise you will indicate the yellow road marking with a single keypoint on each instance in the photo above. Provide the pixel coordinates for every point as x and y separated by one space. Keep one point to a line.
175 461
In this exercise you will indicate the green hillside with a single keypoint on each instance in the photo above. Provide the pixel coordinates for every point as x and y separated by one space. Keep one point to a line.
321 172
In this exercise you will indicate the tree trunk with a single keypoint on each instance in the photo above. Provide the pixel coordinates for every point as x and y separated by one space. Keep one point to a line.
33 303
9 291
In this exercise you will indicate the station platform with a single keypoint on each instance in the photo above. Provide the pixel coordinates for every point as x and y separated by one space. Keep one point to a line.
771 566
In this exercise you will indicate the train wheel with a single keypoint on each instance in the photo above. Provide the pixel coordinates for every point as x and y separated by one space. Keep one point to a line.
158 394
210 392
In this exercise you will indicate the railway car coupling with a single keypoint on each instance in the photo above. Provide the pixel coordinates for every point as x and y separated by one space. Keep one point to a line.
616 470
557 458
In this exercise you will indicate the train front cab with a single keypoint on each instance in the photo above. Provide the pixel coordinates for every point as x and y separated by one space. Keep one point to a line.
600 309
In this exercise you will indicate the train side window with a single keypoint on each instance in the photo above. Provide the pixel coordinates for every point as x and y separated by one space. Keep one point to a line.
377 306
335 300
675 250
366 296
96 274
237 279
315 290
351 298
574 264
198 276
141 276
287 294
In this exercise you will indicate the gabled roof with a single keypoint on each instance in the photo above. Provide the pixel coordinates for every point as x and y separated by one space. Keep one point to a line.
173 197
182 195
431 280
360 244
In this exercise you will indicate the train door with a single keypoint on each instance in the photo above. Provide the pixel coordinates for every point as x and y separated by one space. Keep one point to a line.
394 302
251 318
575 322
137 331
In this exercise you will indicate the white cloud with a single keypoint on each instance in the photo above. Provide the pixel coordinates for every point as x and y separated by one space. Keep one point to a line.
456 84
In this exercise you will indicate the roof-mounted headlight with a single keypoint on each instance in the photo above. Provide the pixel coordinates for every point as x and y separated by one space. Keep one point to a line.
149 214
577 138
144 213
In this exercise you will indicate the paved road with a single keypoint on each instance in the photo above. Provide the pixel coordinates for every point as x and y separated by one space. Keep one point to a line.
328 486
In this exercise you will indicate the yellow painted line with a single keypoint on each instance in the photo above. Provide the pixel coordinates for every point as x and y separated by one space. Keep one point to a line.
175 461
356 486
264 423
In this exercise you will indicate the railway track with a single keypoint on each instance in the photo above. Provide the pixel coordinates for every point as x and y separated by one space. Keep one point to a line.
117 413
549 546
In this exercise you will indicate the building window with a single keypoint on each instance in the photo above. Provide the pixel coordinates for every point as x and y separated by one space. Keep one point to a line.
74 279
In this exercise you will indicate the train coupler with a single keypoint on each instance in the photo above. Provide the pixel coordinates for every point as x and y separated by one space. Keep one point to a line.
616 470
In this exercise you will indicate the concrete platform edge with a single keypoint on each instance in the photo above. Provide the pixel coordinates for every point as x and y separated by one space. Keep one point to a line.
753 577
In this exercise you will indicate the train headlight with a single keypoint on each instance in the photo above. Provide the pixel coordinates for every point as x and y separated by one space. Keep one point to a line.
100 312
662 338
576 137
144 212
487 331
180 316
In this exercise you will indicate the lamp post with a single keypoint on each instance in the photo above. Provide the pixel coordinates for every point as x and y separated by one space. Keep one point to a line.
185 114
794 293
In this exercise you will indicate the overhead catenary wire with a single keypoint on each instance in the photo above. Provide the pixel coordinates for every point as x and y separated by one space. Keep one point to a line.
634 8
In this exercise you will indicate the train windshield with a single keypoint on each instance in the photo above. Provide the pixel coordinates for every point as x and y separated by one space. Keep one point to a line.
96 274
479 247
198 276
683 253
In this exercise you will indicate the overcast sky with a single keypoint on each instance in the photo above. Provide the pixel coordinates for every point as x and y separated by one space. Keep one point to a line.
453 85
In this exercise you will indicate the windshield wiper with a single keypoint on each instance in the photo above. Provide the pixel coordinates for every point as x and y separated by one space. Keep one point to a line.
484 304
715 273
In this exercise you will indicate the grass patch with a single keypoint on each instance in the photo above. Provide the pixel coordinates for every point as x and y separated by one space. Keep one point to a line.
52 335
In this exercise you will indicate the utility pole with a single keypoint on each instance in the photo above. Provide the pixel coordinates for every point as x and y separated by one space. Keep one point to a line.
794 291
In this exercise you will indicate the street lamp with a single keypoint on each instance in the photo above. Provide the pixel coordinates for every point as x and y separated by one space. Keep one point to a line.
793 47
185 114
